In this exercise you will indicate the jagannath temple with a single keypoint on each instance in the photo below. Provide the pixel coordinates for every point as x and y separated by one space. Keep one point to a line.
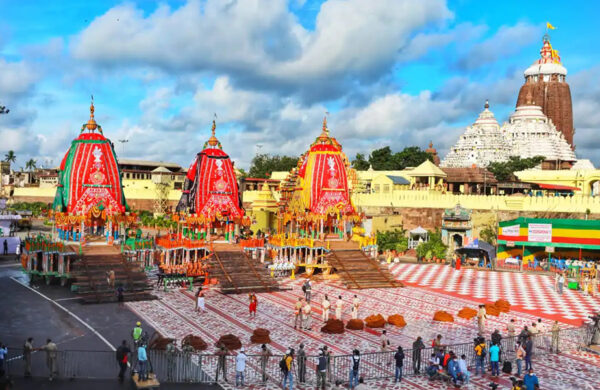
541 125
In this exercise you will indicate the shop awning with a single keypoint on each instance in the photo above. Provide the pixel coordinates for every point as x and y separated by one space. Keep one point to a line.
546 186
478 245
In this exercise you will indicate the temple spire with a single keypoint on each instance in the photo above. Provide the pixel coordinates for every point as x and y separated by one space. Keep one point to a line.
487 104
213 141
91 125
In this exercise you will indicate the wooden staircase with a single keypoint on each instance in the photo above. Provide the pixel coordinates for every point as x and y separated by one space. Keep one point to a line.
358 271
238 273
90 272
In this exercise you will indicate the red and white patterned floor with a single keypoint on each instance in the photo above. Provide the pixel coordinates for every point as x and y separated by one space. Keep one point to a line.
531 293
173 315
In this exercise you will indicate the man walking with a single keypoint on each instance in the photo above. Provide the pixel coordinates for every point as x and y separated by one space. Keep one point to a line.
122 356
301 364
240 367
417 347
51 356
325 305
399 357
27 349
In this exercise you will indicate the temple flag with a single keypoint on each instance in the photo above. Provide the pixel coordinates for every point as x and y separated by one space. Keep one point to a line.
549 26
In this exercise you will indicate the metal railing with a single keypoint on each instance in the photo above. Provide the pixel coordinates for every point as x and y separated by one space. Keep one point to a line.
181 367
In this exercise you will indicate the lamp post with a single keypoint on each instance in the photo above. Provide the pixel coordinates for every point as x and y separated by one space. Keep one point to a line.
123 142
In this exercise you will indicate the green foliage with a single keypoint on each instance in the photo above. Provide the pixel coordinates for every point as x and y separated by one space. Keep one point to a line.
503 171
392 240
488 234
434 247
31 164
385 160
36 208
360 163
242 173
263 165
10 156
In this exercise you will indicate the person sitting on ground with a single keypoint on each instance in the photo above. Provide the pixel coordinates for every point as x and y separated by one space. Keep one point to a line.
454 370
434 366
462 366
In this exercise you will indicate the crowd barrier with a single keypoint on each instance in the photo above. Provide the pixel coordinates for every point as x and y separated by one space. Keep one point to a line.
181 367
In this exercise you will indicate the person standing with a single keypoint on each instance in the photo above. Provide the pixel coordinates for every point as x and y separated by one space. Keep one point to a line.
265 353
307 290
417 347
321 370
5 247
51 357
111 278
384 342
561 283
480 356
339 305
27 349
122 355
142 363
197 299
555 336
528 353
298 314
531 381
187 351
136 334
325 305
355 306
240 367
306 317
3 353
520 355
120 295
221 363
288 375
301 359
481 316
253 305
171 352
399 357
534 332
354 367
202 302
495 359
556 275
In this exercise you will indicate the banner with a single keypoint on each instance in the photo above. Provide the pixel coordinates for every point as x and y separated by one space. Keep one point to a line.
540 232
512 231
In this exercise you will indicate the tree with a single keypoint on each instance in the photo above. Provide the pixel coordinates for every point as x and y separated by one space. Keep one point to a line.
360 163
31 164
10 156
504 171
434 247
263 165
411 156
488 234
392 240
382 159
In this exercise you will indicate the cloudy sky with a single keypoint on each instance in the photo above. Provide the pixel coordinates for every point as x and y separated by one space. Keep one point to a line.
389 72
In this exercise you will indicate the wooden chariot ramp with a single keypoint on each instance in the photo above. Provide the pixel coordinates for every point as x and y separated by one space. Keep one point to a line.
357 270
238 273
90 276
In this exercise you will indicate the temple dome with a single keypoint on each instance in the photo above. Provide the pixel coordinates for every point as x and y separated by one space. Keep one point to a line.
481 143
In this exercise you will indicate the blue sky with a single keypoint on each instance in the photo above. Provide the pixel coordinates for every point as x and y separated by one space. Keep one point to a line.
390 72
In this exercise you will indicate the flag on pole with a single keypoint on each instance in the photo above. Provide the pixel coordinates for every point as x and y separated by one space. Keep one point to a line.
549 26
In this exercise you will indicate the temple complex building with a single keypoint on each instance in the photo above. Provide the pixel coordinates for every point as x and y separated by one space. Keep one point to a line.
545 82
482 143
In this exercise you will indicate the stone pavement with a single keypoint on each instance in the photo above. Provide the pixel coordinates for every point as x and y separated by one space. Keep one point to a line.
173 316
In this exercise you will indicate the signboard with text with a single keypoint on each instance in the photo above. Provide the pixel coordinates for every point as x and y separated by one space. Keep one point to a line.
539 232
512 231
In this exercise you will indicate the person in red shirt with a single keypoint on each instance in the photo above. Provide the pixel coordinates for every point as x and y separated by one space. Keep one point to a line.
253 305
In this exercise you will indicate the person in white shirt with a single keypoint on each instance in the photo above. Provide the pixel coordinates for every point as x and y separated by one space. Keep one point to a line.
325 305
355 306
462 367
543 330
240 367
339 305
481 316
561 283
385 342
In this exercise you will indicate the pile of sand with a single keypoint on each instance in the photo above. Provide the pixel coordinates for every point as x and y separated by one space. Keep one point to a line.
229 341
355 324
467 313
195 341
260 336
397 320
491 310
443 316
375 321
502 305
333 326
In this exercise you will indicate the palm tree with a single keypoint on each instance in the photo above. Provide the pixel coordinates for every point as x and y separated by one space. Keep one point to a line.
31 164
10 156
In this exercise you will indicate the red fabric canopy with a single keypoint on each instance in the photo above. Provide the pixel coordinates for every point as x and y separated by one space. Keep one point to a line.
556 187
